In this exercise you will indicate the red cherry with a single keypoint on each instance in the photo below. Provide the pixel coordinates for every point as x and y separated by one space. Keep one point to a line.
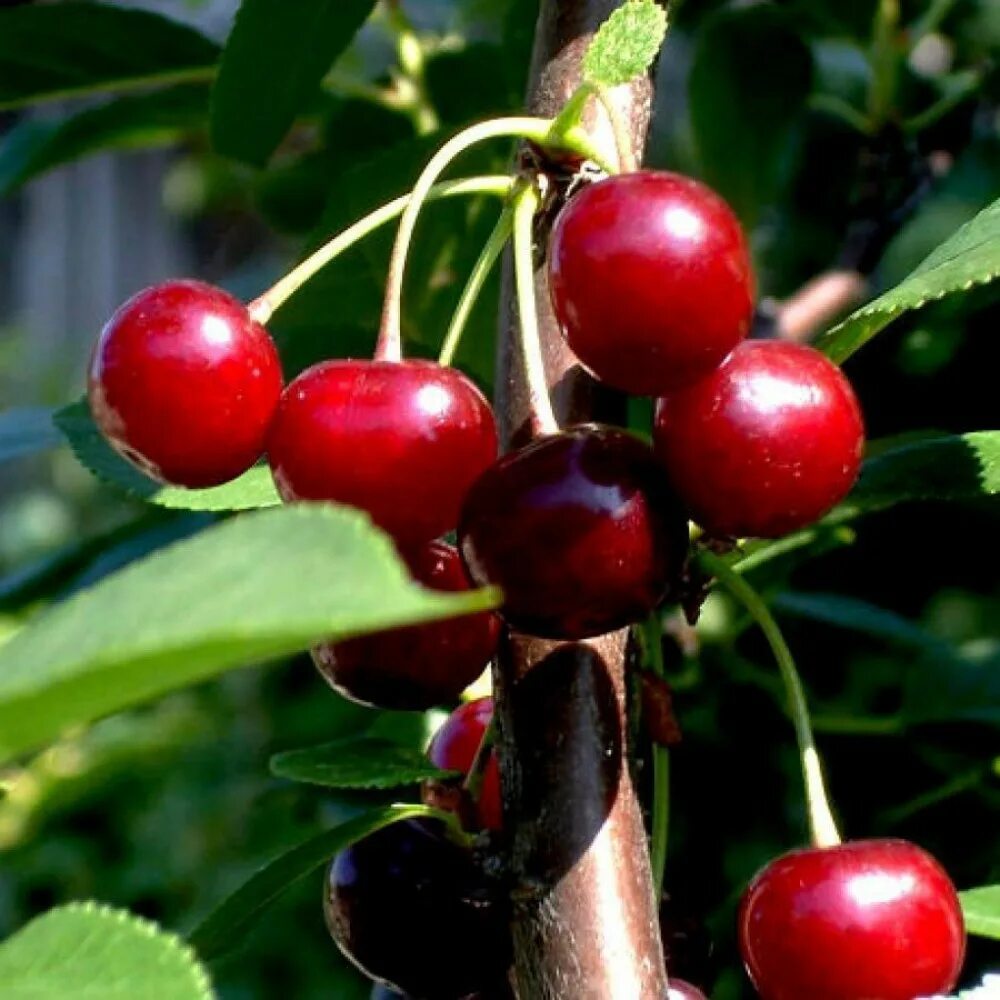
872 919
680 990
420 665
454 747
401 440
766 444
578 528
651 280
183 384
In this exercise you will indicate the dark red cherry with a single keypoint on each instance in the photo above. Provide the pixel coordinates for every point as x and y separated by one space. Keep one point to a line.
677 989
420 665
579 529
454 747
183 383
872 919
413 911
401 440
651 280
766 444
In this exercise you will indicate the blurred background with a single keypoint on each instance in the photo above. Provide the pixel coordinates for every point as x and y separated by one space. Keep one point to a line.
785 108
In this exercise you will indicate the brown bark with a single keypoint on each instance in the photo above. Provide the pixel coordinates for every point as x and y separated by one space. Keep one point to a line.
584 921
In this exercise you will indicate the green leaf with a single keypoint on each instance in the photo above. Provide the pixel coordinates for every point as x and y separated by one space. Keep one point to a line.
969 258
93 952
255 488
356 762
952 467
981 908
850 612
626 44
749 84
961 687
254 588
276 56
131 122
227 925
68 49
25 431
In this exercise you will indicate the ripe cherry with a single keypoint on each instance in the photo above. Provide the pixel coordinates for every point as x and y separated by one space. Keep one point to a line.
766 444
183 384
413 911
579 529
651 280
401 440
420 665
877 919
454 747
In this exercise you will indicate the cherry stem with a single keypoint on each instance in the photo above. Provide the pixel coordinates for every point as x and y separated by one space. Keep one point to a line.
473 783
623 142
822 826
651 636
539 130
525 205
477 279
264 306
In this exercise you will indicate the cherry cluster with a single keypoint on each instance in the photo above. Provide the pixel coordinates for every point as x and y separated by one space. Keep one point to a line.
585 530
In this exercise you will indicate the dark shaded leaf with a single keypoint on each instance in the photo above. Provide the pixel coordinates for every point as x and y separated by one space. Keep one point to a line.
274 60
60 50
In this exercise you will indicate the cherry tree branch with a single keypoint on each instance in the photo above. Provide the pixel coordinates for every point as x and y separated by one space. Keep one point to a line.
584 915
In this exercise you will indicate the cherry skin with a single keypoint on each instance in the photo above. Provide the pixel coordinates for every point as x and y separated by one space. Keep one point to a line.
766 444
877 919
579 529
401 440
413 911
454 747
420 665
651 280
183 384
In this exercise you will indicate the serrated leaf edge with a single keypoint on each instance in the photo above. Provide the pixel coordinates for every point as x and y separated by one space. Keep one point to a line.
147 928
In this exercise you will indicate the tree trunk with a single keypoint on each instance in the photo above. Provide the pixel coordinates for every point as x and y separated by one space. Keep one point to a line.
584 922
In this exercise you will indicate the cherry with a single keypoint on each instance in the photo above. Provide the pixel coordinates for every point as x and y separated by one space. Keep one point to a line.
651 280
420 665
766 444
183 384
401 440
413 911
454 747
877 919
578 528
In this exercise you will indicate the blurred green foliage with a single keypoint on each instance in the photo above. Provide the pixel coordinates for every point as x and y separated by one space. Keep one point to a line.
895 626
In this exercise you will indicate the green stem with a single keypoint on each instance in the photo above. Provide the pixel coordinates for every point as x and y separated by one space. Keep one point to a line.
477 279
652 643
885 59
823 828
525 204
264 306
623 142
843 111
389 346
969 84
